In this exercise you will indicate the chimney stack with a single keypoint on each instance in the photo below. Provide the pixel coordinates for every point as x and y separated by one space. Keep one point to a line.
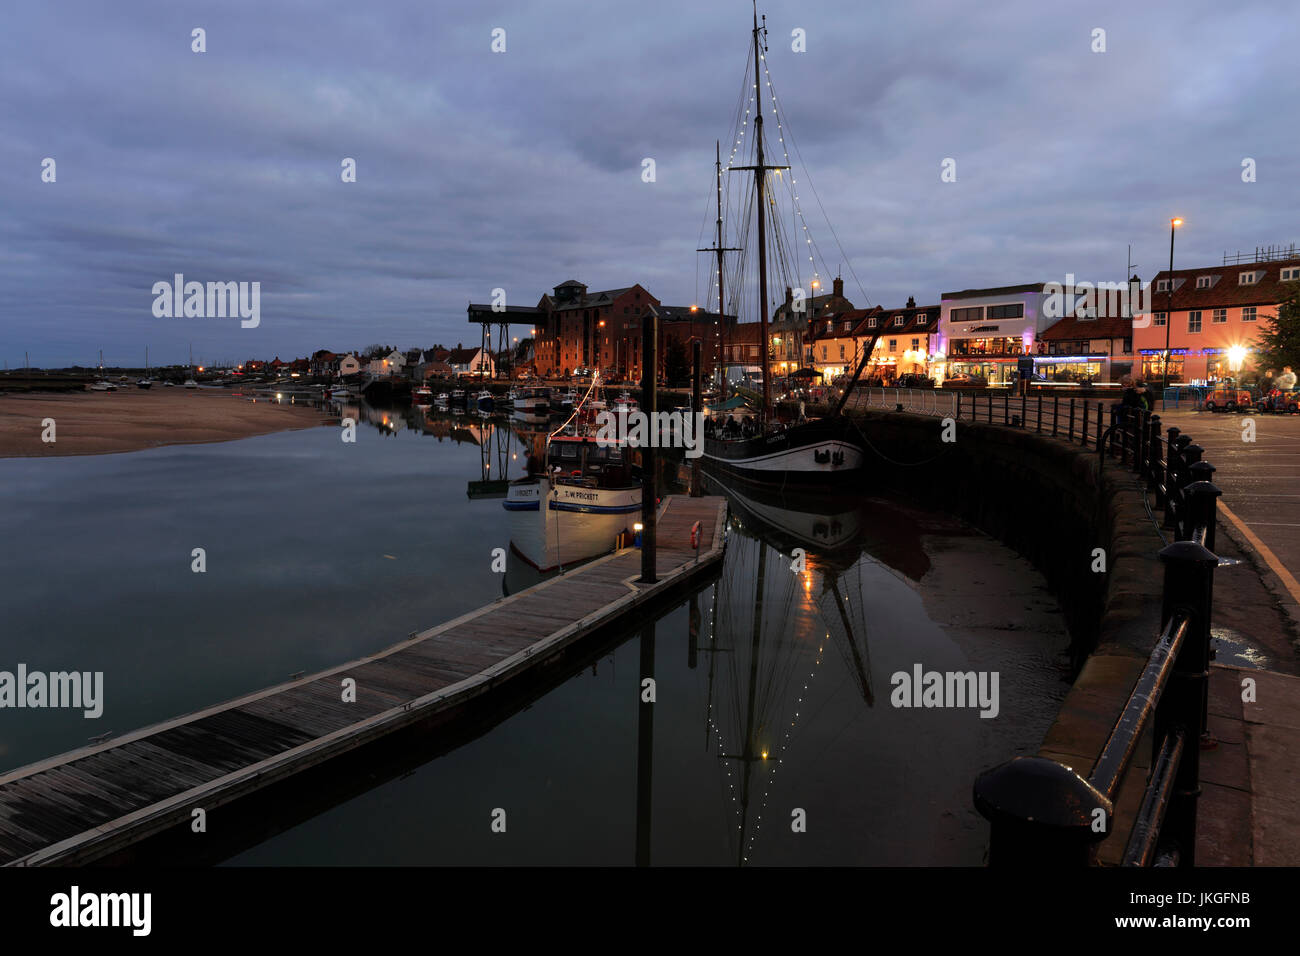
911 302
837 287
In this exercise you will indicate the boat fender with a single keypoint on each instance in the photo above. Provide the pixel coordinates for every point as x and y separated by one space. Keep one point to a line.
695 536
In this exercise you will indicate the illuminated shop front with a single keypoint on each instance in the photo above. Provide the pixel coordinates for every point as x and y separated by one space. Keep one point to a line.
979 348
1071 368
1153 365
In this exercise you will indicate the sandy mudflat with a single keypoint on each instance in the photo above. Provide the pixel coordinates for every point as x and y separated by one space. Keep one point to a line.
99 423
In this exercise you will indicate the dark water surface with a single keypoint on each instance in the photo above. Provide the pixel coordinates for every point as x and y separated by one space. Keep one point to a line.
772 683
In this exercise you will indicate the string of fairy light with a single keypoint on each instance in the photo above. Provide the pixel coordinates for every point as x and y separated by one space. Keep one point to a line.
785 740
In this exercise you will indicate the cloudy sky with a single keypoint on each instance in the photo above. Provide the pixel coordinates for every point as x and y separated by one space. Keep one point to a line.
521 169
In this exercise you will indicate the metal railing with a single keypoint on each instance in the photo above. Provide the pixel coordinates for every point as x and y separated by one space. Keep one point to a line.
1042 812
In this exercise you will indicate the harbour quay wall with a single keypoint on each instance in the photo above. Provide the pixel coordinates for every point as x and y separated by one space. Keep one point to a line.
1049 501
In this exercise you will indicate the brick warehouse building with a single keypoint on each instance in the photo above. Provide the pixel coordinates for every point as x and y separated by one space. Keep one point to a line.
575 328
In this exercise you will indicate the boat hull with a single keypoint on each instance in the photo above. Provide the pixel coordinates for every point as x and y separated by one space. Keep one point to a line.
817 453
557 527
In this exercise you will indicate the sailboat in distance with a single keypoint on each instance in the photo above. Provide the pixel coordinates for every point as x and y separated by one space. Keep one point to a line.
764 449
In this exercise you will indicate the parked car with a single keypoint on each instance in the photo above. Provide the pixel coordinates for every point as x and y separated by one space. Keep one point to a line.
1278 401
965 379
915 380
1226 398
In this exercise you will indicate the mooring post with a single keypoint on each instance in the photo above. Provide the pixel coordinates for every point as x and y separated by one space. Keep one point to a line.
649 459
1188 591
1041 813
697 410
1153 457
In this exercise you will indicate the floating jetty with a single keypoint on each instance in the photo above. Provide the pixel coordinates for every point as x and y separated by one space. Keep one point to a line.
90 803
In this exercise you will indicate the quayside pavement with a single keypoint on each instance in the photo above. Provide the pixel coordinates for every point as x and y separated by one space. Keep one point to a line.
1249 812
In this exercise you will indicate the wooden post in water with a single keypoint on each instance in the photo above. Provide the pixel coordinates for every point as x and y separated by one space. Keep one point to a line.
649 457
697 408
645 745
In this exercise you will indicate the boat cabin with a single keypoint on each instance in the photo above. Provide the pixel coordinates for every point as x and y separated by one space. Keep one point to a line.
581 459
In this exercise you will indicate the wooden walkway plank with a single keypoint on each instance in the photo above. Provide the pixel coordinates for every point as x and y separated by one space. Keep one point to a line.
94 801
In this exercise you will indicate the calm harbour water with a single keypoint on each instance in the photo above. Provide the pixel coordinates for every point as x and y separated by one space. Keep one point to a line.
318 552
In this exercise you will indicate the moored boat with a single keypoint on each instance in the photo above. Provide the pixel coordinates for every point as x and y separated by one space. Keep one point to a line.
588 496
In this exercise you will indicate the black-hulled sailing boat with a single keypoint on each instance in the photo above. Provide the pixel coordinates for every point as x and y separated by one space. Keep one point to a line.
805 453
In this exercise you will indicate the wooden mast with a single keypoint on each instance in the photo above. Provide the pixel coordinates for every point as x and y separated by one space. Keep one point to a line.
760 184
719 249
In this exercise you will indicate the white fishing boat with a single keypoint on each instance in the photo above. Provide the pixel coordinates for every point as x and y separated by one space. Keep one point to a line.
190 383
588 497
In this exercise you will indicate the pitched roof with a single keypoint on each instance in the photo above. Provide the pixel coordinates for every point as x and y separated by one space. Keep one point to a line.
461 356
1225 287
999 290
1072 327
594 299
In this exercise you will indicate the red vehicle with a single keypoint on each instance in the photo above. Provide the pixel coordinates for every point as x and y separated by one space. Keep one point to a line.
1279 401
1227 398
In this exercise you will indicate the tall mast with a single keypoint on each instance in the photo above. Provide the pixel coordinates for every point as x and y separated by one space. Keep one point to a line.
719 249
760 184
722 312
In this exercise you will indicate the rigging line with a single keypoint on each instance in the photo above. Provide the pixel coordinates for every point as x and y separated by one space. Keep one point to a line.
838 244
905 464
782 128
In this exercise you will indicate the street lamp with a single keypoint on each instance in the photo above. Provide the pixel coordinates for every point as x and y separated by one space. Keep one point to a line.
1169 315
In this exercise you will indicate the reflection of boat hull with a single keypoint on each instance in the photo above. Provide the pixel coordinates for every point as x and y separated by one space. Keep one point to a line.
821 452
559 527
786 523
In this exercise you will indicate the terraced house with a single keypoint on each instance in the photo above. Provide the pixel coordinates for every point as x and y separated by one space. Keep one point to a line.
1216 315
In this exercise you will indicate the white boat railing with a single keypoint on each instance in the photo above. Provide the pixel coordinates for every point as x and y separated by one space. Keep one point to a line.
921 401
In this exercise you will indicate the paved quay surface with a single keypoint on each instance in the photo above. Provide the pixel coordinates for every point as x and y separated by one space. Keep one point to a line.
1261 493
1250 805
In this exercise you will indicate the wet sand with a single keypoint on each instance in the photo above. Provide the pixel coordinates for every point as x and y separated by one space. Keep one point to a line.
130 419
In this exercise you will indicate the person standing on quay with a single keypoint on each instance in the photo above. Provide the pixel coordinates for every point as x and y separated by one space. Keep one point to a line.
1285 381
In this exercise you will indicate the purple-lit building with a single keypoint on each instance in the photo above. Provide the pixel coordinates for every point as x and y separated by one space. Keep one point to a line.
985 332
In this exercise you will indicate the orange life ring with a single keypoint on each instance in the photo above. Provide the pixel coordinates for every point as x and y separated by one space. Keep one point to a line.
695 535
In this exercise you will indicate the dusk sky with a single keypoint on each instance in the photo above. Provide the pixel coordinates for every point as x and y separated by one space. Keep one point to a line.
522 169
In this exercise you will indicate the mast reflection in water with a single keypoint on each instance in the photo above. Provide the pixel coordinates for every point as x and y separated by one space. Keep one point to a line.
771 740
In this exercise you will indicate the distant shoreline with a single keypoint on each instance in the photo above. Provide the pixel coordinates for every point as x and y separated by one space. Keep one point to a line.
132 419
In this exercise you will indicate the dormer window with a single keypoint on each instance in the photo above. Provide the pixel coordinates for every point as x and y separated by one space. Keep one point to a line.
848 325
1291 275
1248 278
1203 282
898 320
871 322
922 320
1162 285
